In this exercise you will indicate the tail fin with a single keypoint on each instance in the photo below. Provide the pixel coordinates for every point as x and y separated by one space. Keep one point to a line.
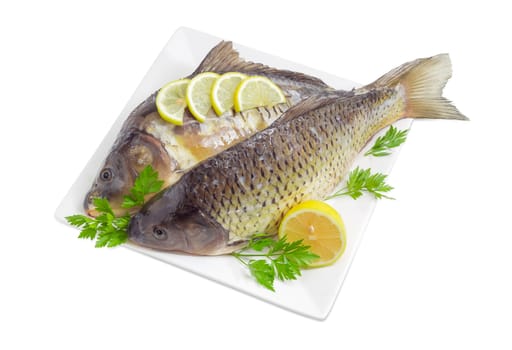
424 80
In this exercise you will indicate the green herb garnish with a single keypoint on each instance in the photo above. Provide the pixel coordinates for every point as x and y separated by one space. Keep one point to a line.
360 181
268 258
108 229
392 138
147 182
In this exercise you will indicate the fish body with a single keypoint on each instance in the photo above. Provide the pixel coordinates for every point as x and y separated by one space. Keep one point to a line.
245 190
146 139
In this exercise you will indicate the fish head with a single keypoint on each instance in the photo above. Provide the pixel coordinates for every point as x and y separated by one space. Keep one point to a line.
127 158
166 224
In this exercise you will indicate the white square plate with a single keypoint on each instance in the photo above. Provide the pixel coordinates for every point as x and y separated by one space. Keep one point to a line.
314 293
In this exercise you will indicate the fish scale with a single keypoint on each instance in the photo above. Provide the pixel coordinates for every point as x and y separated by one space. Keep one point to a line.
308 168
247 189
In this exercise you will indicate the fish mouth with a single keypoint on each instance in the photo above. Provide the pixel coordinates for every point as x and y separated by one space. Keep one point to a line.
88 204
115 205
134 230
92 213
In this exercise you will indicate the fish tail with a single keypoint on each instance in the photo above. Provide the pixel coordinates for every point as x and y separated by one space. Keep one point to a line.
423 81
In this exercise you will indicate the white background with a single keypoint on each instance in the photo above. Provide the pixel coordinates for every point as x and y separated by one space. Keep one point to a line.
434 269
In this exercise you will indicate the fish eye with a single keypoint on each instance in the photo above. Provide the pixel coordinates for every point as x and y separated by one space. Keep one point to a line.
106 174
159 233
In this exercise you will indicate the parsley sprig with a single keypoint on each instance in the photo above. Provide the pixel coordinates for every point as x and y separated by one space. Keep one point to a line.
108 229
391 139
268 259
362 180
147 182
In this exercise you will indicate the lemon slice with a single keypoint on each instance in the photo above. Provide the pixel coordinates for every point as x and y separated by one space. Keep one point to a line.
257 91
198 94
171 101
223 91
319 226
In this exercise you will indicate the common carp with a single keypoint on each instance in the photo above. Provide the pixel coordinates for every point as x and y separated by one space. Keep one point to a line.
247 189
146 139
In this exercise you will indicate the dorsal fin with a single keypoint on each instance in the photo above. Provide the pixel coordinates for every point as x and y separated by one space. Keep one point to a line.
223 58
309 104
220 59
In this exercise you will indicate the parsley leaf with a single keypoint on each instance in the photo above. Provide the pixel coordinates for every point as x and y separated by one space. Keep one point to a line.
88 233
264 273
362 180
147 182
285 270
111 238
278 258
262 242
103 206
78 220
129 202
391 139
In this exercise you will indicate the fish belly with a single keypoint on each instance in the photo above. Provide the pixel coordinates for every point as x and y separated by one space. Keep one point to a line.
194 142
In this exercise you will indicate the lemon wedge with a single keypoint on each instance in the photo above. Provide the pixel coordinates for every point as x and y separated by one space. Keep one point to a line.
171 101
198 94
257 91
319 226
223 91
